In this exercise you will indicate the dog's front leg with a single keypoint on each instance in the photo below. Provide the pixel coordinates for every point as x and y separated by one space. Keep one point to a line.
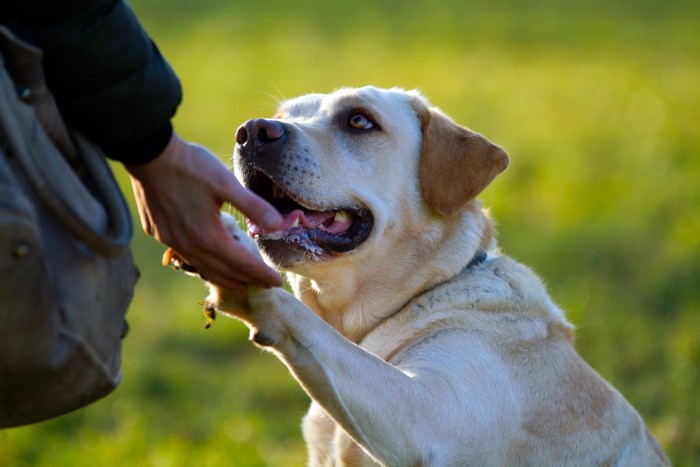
390 414
398 419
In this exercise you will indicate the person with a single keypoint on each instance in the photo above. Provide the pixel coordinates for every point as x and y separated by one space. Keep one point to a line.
111 83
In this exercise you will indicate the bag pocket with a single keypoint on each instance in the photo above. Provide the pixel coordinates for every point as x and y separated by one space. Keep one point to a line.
25 288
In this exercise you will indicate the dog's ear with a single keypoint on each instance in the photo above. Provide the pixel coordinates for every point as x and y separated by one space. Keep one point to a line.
456 163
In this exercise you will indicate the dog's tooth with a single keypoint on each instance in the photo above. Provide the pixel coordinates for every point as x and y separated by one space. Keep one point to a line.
340 216
296 223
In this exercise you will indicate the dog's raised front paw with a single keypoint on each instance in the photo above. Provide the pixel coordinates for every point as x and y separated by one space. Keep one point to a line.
237 233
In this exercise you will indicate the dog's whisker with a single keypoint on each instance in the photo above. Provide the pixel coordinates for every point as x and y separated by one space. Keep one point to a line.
228 162
281 97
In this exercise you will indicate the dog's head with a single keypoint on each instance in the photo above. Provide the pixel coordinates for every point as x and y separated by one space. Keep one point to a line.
360 170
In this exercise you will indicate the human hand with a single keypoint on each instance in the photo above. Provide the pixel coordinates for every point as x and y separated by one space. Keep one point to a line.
179 197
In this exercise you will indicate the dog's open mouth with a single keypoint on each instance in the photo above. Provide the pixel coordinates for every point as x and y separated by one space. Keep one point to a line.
327 230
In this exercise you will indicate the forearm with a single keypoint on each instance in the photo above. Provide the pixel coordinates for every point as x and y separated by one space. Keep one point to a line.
108 78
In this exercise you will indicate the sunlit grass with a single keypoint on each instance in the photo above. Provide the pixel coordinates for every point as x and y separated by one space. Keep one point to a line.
596 102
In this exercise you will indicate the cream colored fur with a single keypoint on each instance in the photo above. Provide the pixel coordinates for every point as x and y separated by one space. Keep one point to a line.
411 357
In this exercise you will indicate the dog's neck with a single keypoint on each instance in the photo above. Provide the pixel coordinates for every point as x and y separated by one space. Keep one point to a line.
355 299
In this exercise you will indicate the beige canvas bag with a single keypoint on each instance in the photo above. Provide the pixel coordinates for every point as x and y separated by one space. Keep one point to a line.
66 271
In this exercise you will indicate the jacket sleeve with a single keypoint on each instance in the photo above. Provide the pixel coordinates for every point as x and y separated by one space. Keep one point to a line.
108 77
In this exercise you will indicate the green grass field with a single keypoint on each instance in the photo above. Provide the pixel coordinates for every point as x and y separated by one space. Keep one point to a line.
597 104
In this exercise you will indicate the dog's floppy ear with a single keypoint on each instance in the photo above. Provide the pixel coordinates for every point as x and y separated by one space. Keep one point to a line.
456 163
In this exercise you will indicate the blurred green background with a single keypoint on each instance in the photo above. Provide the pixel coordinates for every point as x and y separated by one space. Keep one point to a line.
596 102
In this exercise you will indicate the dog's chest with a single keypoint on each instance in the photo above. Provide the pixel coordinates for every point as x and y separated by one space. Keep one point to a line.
328 444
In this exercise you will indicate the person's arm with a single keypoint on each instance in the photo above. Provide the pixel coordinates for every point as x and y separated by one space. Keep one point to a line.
111 82
108 77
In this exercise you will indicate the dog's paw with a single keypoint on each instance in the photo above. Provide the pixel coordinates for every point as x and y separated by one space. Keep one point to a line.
223 300
228 302
238 234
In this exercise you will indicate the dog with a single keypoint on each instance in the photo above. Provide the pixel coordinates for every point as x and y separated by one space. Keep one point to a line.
418 342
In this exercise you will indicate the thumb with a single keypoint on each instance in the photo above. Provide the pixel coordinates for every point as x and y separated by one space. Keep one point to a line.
258 210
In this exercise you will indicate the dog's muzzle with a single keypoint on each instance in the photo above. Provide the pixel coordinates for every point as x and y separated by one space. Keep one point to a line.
272 169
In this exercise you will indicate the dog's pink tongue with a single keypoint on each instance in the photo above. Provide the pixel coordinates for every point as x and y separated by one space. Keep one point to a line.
292 219
309 219
330 221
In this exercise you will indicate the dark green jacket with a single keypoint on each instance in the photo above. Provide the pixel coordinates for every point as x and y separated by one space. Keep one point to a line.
107 76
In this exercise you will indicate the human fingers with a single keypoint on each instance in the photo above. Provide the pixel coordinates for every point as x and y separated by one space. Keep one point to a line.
228 189
141 205
256 209
229 263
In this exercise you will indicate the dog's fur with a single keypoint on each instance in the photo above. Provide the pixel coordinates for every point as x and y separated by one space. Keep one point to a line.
413 353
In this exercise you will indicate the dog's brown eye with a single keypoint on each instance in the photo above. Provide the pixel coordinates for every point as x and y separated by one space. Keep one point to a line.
361 122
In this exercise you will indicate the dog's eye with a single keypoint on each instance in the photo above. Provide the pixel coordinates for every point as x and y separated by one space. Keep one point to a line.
360 121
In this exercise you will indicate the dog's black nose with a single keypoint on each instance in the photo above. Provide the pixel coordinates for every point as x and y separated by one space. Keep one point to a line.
254 133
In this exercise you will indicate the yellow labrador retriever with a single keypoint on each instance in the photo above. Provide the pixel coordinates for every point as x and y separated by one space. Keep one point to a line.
418 341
